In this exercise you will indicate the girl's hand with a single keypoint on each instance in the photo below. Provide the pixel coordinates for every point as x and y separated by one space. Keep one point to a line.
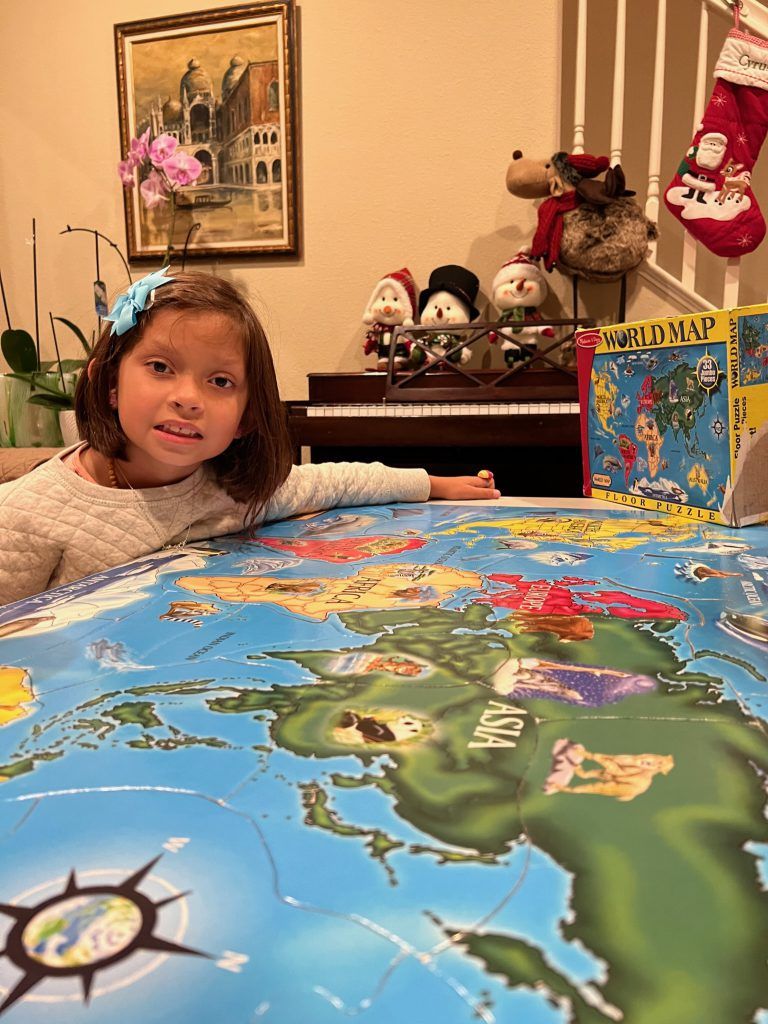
463 488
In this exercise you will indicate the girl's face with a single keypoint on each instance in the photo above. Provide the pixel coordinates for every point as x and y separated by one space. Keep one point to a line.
181 394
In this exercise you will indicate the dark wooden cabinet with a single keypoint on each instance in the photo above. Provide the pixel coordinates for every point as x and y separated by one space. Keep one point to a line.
530 452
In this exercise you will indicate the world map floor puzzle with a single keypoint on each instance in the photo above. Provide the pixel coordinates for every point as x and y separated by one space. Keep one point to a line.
410 763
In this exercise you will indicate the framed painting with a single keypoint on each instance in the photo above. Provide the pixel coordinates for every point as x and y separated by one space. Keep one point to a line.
222 83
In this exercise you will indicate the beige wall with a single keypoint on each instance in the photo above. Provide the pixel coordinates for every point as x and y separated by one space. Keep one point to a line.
409 113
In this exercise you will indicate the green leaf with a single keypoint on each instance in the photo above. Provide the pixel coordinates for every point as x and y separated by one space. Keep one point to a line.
19 350
49 389
70 365
51 401
77 331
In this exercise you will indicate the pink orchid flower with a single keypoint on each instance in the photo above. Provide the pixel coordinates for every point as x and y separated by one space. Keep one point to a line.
182 169
153 191
125 170
162 149
139 148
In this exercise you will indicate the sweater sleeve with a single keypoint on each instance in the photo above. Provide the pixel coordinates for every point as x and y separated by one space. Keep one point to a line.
317 486
27 561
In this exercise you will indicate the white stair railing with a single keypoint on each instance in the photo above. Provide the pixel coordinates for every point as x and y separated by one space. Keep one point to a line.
677 278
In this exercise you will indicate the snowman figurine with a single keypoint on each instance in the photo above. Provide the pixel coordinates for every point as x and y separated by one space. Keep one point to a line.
518 290
448 299
392 304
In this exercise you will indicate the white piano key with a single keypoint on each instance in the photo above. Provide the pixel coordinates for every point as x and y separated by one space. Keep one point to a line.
442 409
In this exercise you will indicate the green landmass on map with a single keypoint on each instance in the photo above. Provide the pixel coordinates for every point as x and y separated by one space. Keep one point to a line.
681 414
647 873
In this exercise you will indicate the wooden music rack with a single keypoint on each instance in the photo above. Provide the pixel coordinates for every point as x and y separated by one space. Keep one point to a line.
424 383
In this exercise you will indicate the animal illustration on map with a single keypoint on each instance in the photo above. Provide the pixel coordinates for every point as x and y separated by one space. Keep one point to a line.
752 628
390 726
754 561
622 776
588 685
363 662
561 557
259 565
112 656
189 611
698 572
397 666
341 523
715 547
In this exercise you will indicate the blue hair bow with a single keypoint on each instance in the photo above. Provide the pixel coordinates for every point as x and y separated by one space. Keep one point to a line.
135 300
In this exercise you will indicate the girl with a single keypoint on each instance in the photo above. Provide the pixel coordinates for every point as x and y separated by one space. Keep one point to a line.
185 438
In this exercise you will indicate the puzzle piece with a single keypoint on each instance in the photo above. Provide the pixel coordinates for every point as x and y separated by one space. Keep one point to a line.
448 809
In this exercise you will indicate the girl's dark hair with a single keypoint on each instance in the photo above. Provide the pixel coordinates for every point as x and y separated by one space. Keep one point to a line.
254 465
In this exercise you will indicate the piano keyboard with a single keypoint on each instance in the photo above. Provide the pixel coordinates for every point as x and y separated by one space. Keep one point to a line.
438 409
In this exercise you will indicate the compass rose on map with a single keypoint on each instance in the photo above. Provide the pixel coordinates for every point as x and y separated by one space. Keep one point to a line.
83 929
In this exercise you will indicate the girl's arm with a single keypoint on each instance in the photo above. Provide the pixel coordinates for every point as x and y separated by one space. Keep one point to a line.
317 486
27 561
463 488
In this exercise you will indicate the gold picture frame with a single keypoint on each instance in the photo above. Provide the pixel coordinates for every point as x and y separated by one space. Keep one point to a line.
223 82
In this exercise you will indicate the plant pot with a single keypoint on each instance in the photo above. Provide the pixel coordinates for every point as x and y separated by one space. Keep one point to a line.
68 427
23 425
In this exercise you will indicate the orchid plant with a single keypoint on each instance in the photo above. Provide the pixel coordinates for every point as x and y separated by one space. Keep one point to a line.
162 168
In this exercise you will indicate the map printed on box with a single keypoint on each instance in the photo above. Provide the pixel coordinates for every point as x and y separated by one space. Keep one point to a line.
674 415
432 763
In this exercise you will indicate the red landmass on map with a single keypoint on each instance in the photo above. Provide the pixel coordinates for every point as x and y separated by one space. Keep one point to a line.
344 549
557 597
628 452
646 396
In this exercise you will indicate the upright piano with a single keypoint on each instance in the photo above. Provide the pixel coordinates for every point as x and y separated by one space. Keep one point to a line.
528 434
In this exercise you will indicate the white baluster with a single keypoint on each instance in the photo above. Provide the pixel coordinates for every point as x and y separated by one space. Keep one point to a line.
690 246
580 100
657 115
731 285
619 68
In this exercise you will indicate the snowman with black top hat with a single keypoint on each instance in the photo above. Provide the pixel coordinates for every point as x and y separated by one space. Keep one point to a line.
448 299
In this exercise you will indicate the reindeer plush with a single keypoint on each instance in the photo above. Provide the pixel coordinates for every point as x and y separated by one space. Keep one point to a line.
588 226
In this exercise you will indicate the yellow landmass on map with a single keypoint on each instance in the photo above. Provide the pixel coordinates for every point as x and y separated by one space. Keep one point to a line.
698 477
604 393
605 534
15 692
647 431
375 588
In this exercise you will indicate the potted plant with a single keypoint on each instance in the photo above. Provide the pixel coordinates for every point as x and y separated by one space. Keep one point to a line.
36 398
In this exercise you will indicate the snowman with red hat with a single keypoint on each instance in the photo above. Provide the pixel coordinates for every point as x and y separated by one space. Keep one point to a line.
517 292
392 304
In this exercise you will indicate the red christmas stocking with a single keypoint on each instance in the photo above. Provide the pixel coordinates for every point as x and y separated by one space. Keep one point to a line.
711 192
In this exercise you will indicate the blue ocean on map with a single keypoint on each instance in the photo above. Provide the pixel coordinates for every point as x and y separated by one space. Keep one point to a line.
262 779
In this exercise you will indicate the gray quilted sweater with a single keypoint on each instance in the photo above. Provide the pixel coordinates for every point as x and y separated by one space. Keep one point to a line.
56 527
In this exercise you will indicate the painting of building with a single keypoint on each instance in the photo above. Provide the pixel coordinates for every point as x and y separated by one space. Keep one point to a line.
227 97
